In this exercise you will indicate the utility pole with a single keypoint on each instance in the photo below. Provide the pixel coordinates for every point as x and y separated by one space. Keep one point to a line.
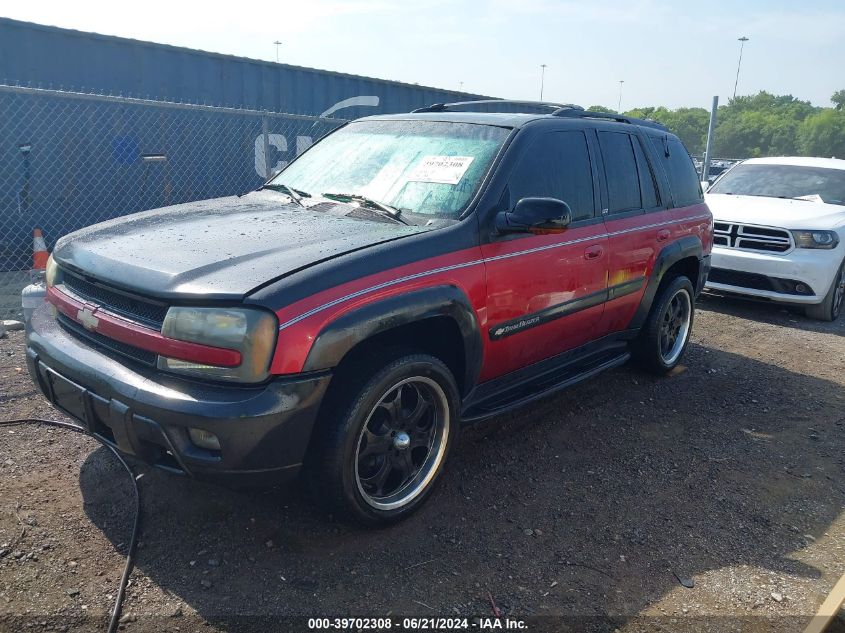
278 44
705 169
742 40
619 107
542 78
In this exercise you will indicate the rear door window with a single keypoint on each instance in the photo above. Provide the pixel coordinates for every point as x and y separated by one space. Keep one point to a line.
556 165
620 168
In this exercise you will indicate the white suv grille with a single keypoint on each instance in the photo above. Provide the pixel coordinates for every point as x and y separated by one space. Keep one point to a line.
753 238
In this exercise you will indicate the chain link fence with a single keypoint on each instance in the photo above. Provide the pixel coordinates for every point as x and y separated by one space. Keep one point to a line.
71 159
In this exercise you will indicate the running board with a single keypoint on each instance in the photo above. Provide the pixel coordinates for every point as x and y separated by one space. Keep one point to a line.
542 386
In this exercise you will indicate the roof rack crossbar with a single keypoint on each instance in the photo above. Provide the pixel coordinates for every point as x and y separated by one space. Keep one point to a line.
452 107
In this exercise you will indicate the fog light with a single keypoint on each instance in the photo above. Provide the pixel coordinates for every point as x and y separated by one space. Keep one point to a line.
204 439
801 288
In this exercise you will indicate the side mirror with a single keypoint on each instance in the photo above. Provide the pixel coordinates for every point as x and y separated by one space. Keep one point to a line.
535 215
705 185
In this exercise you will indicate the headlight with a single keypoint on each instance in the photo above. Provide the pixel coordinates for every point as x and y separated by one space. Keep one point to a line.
815 239
52 269
251 332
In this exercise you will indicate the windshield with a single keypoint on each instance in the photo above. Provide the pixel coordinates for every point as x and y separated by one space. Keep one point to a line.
818 184
426 167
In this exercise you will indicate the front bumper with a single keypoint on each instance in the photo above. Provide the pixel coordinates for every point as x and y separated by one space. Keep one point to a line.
775 276
264 430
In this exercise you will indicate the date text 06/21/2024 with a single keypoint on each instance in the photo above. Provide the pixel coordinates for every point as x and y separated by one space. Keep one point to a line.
416 624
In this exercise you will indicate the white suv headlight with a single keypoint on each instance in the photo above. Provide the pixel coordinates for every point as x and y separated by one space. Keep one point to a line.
815 239
250 331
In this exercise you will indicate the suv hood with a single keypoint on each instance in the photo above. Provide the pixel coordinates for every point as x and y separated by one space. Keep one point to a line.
217 249
776 212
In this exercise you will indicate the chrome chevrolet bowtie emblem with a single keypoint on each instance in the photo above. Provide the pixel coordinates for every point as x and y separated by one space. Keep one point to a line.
87 319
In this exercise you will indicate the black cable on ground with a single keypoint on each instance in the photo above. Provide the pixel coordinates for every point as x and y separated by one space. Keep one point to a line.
136 528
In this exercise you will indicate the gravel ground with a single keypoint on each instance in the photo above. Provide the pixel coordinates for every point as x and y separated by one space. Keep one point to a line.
595 504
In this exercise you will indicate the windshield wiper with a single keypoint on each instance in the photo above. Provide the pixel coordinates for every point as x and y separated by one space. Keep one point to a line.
391 212
290 192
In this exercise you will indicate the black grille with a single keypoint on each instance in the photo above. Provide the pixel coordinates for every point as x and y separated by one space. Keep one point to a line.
756 281
141 310
765 231
103 342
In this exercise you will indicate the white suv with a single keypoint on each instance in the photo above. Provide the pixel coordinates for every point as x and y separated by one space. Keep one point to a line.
779 229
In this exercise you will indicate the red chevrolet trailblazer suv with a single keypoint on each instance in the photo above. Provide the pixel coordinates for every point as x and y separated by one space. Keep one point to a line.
403 276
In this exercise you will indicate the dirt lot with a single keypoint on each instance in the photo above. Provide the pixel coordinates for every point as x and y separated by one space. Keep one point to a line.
590 505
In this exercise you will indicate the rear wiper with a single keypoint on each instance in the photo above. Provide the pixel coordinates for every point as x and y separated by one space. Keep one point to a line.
391 212
290 192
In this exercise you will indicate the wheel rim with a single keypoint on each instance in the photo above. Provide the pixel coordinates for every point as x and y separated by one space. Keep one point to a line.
839 293
402 443
675 326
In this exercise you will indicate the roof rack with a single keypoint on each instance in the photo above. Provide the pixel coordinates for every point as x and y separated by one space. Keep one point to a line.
593 114
569 110
456 107
597 114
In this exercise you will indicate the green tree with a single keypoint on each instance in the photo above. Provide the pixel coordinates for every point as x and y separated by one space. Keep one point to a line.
599 108
689 124
763 124
760 125
643 113
823 134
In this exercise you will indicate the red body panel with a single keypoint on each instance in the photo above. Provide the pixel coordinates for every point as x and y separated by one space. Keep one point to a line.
302 321
510 278
635 243
570 265
130 333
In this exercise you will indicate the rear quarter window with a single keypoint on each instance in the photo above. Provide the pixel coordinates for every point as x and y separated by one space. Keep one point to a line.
679 170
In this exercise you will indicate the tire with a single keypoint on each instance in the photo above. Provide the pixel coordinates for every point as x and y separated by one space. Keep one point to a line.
831 307
664 337
384 439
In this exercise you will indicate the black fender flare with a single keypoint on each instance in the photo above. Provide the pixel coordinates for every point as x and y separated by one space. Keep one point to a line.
687 246
352 328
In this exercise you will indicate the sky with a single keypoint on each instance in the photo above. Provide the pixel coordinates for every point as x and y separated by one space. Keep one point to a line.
669 53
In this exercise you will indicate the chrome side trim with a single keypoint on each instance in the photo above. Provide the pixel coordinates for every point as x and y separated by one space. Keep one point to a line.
385 284
475 262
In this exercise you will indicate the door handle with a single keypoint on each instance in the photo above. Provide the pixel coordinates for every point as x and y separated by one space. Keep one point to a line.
663 235
593 252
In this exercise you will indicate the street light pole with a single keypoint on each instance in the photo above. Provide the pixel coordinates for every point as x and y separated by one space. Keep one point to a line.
542 79
742 41
619 107
277 43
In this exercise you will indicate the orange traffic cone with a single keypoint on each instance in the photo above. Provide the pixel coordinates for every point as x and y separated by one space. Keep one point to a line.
39 251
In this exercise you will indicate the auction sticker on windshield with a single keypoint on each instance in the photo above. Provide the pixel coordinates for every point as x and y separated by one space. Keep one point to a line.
447 170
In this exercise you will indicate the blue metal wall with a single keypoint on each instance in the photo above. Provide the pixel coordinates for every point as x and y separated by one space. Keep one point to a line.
85 161
73 59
